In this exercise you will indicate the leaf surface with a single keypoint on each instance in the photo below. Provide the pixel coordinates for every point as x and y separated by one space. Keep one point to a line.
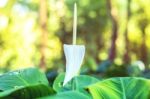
28 92
67 95
121 88
81 81
24 84
21 78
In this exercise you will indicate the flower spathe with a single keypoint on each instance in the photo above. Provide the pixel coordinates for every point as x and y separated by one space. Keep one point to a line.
74 57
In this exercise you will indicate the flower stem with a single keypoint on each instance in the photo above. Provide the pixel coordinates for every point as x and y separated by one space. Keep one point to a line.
74 83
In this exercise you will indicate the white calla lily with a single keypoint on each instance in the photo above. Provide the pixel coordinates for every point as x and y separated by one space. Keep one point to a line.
74 56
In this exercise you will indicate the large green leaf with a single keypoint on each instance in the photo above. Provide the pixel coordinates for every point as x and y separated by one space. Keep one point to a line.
121 88
21 78
24 84
81 81
29 92
67 95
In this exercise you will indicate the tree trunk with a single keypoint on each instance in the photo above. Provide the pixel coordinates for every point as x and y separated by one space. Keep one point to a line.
44 33
126 54
143 22
112 52
143 48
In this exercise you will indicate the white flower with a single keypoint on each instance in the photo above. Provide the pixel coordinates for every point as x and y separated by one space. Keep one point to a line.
74 56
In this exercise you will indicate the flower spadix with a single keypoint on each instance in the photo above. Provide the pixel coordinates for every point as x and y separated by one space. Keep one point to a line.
74 57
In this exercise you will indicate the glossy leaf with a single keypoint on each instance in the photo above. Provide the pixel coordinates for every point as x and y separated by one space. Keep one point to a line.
67 95
29 92
24 84
21 78
82 81
121 88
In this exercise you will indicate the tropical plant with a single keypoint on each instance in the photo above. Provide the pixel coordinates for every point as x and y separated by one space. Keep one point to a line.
31 83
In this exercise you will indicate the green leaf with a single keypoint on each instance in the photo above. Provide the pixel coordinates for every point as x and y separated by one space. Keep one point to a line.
29 92
21 78
24 84
82 81
67 95
121 88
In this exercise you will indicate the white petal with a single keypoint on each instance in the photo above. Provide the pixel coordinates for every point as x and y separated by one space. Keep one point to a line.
74 56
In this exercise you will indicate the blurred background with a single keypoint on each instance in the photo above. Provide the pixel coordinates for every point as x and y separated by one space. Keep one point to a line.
116 34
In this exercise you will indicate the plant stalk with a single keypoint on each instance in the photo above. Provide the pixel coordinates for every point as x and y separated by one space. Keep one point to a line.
74 83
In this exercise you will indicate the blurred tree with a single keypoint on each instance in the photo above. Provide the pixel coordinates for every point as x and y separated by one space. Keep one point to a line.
32 32
112 15
143 22
126 54
43 16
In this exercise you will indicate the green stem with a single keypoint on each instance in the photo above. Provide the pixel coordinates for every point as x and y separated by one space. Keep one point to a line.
74 84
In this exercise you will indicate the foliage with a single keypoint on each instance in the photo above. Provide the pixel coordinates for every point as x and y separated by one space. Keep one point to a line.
31 83
121 88
22 38
22 78
67 95
24 84
81 82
